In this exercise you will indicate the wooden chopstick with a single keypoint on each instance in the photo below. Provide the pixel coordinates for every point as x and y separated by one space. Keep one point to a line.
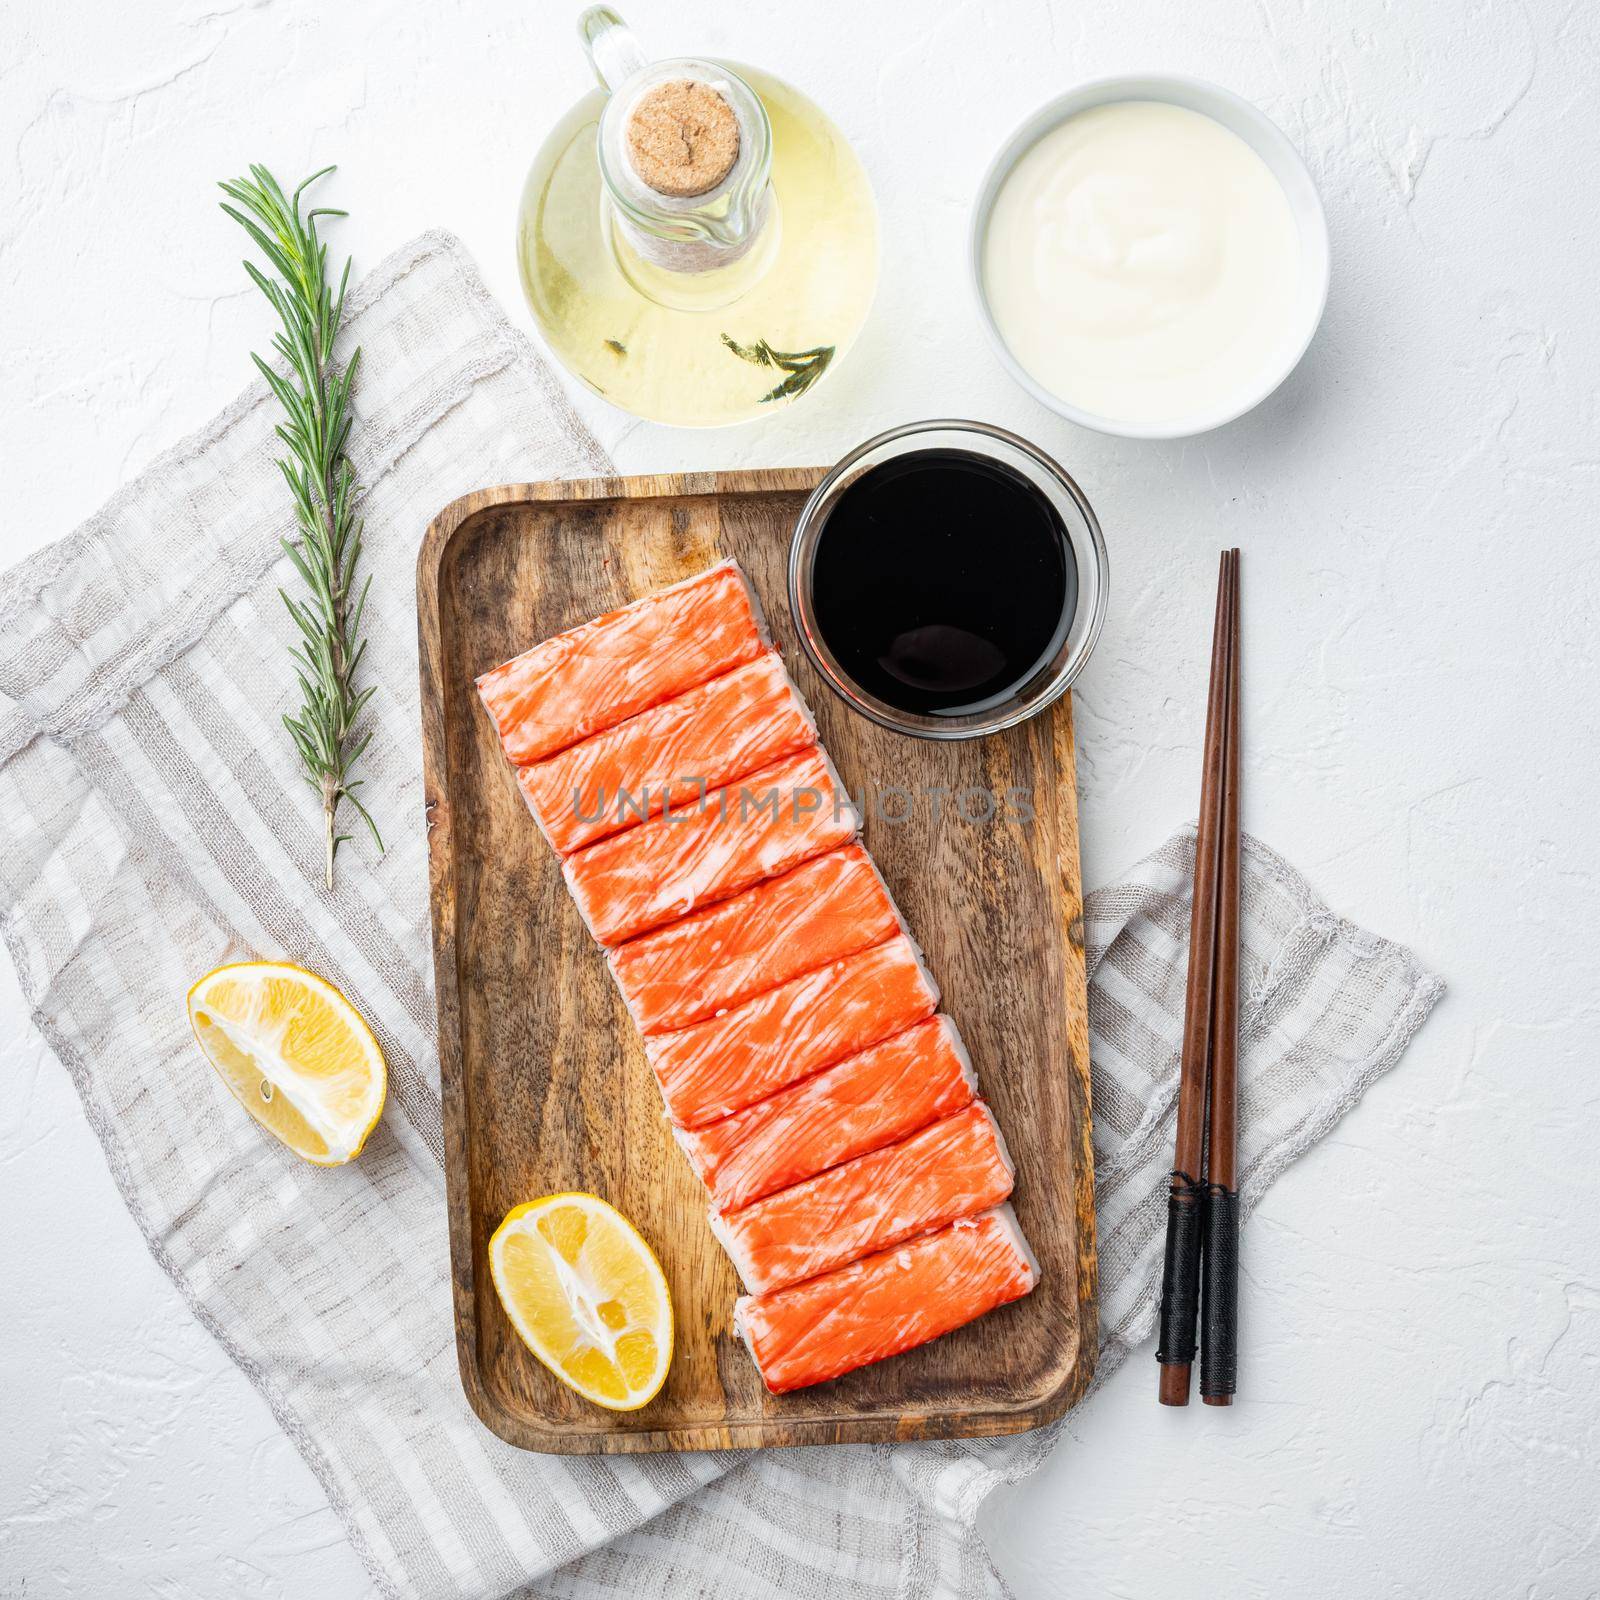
1180 1276
1219 1322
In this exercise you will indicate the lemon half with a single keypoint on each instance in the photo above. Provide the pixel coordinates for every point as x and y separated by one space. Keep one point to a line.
296 1054
587 1296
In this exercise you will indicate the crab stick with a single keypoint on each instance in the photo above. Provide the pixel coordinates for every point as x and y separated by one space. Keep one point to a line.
826 908
888 1303
726 841
953 1168
624 662
669 756
868 1100
729 1062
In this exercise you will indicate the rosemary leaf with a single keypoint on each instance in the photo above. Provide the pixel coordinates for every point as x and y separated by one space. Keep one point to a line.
802 367
314 391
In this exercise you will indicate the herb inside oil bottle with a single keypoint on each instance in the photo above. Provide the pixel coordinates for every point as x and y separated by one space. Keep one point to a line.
803 367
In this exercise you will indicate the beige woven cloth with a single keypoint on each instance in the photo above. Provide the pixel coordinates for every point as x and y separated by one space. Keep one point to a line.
159 826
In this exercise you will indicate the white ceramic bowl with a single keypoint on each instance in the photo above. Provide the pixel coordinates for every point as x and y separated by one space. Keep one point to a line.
1264 137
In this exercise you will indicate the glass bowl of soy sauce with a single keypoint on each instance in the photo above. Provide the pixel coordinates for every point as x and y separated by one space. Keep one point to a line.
948 579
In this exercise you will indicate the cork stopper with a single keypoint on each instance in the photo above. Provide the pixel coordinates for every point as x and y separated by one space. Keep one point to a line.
683 138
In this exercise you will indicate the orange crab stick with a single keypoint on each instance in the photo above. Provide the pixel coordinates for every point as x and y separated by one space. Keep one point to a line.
595 675
953 1168
828 907
869 1100
888 1303
724 1064
728 840
667 756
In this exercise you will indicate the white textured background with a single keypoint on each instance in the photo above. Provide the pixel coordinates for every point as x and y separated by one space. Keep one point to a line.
1421 1411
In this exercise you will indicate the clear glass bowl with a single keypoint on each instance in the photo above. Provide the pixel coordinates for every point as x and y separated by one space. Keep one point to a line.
1052 678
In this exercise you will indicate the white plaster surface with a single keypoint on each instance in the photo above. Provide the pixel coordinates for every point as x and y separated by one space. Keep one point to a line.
1421 1406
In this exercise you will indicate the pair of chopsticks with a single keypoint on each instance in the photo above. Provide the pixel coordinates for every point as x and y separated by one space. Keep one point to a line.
1200 1275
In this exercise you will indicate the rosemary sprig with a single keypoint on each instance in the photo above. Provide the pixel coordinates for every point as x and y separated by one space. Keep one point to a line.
315 395
802 367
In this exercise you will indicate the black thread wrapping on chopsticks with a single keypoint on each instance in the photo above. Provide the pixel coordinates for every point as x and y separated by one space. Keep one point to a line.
1219 1313
1180 1271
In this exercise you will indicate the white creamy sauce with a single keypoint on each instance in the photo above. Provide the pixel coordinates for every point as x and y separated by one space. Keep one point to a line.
1143 263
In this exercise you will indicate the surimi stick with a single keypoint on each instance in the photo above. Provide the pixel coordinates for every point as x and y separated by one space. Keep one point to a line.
737 835
624 662
868 1100
669 755
724 1064
888 1303
953 1168
828 907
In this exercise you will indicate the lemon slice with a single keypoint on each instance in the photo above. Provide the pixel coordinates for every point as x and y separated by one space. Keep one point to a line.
587 1295
296 1054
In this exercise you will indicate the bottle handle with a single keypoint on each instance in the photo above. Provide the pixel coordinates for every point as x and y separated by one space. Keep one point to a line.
613 51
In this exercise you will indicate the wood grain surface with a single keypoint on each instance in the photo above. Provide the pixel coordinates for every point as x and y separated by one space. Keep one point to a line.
544 1080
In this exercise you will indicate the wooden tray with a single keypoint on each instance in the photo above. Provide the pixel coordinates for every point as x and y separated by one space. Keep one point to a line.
544 1080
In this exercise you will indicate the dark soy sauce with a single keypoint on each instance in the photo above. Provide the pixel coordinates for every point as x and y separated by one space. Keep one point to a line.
942 581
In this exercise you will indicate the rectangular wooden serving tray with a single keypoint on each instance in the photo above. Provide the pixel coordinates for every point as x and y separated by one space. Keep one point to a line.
545 1084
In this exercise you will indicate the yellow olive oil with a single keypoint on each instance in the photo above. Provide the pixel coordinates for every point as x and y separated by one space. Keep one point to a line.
701 349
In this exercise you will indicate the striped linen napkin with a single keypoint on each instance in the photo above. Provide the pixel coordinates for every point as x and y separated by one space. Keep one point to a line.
159 826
